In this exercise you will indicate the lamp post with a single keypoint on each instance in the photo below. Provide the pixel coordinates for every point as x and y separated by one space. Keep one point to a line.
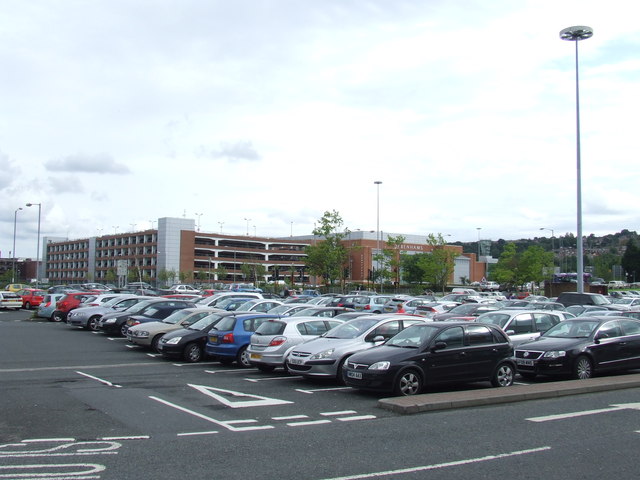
552 236
198 215
38 243
575 34
247 220
377 183
220 223
15 218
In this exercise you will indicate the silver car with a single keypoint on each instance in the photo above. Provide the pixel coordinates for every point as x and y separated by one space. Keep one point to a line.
325 356
371 303
89 317
48 305
524 325
148 334
273 339
262 305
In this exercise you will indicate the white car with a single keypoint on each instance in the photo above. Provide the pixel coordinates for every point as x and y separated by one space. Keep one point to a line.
10 300
524 325
180 288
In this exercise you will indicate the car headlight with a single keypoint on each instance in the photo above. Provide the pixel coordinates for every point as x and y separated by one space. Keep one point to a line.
321 355
110 320
141 334
555 354
174 340
380 366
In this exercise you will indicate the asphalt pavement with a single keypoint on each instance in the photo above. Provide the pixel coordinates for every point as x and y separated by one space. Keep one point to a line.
516 393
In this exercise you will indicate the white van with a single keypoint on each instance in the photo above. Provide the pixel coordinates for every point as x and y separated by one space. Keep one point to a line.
616 284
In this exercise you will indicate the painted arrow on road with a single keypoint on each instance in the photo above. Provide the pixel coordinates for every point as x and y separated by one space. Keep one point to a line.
257 400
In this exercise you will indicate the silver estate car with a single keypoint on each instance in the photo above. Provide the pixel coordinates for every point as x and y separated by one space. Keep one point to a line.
89 317
523 325
273 339
325 355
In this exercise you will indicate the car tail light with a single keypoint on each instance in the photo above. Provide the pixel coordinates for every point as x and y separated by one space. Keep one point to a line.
341 304
134 323
367 307
277 341
227 338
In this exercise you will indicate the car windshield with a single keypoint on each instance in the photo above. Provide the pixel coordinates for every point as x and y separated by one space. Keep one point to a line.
464 308
177 316
351 329
499 319
139 306
600 300
305 312
413 336
572 329
112 301
205 322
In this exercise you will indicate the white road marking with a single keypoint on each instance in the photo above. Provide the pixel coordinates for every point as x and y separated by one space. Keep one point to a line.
154 355
57 471
321 389
258 401
191 434
290 417
209 419
356 417
343 412
440 465
136 437
562 416
248 420
33 440
256 380
311 422
105 382
243 371
196 364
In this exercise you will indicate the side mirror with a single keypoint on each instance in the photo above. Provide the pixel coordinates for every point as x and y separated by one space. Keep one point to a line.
378 339
439 346
510 332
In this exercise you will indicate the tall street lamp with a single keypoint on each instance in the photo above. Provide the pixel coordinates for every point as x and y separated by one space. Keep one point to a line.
38 243
377 183
575 34
552 236
15 218
247 220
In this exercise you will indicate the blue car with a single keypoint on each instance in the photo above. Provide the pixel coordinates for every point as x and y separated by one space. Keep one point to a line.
230 337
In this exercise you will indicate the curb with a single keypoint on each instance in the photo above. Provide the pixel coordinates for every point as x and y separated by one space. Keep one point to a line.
517 393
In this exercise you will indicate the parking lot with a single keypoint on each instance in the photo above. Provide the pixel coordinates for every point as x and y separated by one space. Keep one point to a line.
87 405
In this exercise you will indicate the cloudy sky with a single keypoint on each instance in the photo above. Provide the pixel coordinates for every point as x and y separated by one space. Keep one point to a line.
114 113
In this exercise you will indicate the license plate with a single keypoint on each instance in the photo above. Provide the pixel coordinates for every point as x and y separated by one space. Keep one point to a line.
296 361
524 362
213 339
356 375
255 356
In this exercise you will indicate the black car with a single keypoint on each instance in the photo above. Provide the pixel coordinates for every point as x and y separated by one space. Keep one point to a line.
434 352
189 342
581 347
116 322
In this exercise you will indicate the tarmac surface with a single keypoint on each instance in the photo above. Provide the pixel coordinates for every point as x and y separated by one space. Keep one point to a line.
516 393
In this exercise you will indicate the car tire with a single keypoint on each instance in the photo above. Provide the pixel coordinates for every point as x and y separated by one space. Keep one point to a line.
124 329
243 358
503 375
192 353
582 368
93 323
408 382
340 372
57 317
266 368
27 305
155 341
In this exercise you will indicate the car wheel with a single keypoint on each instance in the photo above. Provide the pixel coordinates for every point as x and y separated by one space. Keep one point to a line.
124 329
155 341
27 305
243 358
527 376
340 372
57 317
503 376
93 322
266 368
192 353
583 368
408 382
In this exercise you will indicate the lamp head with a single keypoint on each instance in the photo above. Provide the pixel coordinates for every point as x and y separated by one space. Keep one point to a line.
577 33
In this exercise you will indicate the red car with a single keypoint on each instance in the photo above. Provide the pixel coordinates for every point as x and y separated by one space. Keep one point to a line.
31 297
68 303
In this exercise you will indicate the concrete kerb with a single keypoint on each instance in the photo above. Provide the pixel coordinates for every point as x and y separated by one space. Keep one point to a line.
517 393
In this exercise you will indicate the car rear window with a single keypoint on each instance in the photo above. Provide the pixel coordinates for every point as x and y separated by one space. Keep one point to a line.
271 328
316 327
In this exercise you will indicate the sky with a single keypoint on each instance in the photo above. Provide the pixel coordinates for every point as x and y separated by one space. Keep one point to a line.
257 116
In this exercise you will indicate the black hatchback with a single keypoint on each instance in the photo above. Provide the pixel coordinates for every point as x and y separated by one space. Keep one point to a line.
434 352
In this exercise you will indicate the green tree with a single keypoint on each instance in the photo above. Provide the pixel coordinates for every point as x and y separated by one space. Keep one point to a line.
163 276
388 261
329 257
534 262
111 276
438 265
631 261
221 272
506 270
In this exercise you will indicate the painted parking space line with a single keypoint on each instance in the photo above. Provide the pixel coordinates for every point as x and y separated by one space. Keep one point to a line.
314 390
194 434
193 364
227 397
438 466
84 471
243 371
356 418
310 422
290 417
256 380
340 412
105 382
